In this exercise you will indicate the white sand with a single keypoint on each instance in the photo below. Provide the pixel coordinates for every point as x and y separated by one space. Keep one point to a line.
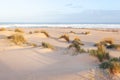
29 63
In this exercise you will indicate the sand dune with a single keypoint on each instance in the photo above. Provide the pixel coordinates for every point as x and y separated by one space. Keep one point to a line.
37 63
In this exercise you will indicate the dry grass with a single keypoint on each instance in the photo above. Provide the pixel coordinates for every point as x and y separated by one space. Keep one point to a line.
45 32
30 32
19 30
65 36
108 40
109 43
113 65
36 31
114 46
77 45
18 39
42 31
72 32
32 44
3 29
77 38
100 53
101 48
47 45
86 33
117 46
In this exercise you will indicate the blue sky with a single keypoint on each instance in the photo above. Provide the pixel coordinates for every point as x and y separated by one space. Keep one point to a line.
60 11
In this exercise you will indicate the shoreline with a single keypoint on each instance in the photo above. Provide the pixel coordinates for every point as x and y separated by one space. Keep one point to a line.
103 26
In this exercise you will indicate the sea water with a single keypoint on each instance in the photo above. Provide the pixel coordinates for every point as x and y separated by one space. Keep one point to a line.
62 25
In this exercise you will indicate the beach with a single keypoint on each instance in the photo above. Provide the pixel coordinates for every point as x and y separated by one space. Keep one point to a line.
25 62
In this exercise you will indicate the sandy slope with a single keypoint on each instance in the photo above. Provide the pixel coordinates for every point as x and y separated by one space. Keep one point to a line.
42 64
29 63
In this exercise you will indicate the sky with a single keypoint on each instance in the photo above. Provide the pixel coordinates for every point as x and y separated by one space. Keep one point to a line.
60 11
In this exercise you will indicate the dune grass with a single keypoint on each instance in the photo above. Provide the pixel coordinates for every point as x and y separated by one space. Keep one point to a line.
109 44
100 53
42 31
36 31
30 32
86 33
47 45
32 44
113 65
101 48
114 46
72 32
19 30
65 36
77 38
3 29
45 32
76 43
108 40
18 39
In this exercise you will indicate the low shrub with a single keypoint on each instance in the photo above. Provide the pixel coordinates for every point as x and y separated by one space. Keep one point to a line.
46 33
115 59
77 45
47 45
30 32
108 40
101 48
100 53
66 37
2 29
32 44
104 65
109 46
77 38
19 30
87 33
72 32
17 39
77 41
36 31
112 65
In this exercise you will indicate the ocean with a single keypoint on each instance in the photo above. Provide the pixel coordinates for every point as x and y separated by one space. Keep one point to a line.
61 25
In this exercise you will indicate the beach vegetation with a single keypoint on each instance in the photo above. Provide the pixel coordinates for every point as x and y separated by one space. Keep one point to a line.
72 32
36 31
100 53
30 32
65 36
19 30
77 45
3 29
113 65
18 39
45 32
47 45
